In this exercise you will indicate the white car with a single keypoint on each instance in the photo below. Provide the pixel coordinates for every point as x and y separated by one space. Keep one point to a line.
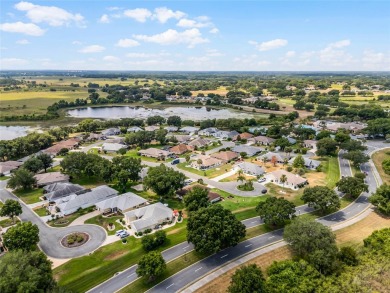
261 180
119 232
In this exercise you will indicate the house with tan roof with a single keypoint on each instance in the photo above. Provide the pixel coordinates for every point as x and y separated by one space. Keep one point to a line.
181 149
199 142
155 153
293 181
205 162
7 167
50 178
212 196
226 156
244 135
65 144
262 140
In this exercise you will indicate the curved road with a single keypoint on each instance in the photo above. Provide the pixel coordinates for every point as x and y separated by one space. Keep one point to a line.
188 275
50 237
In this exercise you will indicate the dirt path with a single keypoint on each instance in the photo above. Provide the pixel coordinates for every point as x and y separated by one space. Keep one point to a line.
352 235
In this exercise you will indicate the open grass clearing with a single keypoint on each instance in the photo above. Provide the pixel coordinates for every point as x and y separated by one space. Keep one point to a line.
41 211
378 157
210 173
29 196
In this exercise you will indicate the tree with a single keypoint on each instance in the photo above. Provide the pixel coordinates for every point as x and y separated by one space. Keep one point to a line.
196 198
164 180
11 208
21 178
282 143
240 177
379 126
174 121
348 256
352 186
275 211
299 162
150 242
161 136
274 160
46 160
313 242
356 157
293 277
33 165
378 242
321 198
151 265
381 199
247 279
214 228
386 166
342 136
283 179
23 236
22 271
353 145
326 147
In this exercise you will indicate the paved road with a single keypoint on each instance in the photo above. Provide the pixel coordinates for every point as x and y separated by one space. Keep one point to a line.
200 269
50 237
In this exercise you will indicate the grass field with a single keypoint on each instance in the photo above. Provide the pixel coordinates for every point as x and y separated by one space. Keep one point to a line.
211 173
8 222
103 222
40 211
66 220
378 158
29 196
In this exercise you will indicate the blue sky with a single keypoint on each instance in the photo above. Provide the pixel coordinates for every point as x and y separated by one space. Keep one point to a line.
195 35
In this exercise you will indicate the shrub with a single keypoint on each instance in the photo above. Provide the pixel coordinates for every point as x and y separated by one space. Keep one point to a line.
289 168
140 233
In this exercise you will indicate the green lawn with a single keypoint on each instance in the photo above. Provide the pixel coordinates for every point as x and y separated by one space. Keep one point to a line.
211 173
291 195
29 196
104 221
2 178
41 212
332 170
83 273
88 182
8 222
65 221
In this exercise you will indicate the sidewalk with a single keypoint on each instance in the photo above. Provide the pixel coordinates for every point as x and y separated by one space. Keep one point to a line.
82 219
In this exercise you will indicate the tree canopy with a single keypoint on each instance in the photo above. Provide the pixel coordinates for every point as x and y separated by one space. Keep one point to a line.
275 211
381 199
151 265
247 279
326 147
196 198
11 208
23 236
352 186
21 179
214 228
356 157
321 198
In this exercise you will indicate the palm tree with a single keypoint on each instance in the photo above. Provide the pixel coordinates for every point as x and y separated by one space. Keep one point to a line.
240 177
264 159
283 179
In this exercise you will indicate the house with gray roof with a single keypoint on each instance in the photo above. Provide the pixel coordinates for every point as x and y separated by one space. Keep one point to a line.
111 131
134 129
261 140
155 153
148 217
189 129
208 131
309 163
199 142
250 169
249 150
171 128
280 157
58 190
70 204
113 147
121 203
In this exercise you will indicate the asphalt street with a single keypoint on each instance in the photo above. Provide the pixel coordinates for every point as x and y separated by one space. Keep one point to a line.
50 237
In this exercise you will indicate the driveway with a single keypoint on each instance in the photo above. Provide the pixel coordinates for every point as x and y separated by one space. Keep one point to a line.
50 237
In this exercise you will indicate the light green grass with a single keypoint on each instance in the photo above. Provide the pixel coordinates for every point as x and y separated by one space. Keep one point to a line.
331 167
41 212
29 196
104 221
2 178
8 222
211 173
66 220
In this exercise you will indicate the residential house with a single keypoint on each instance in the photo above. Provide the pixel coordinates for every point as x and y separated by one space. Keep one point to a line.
243 136
89 197
262 140
148 217
155 153
250 169
50 178
152 128
111 132
180 138
293 181
181 149
113 147
208 131
309 163
310 144
260 130
65 144
121 203
205 162
54 191
226 156
249 150
250 100
7 167
212 196
199 142
291 140
189 129
171 128
279 157
134 129
94 136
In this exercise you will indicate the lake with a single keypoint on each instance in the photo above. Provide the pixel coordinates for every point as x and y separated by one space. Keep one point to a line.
186 113
11 132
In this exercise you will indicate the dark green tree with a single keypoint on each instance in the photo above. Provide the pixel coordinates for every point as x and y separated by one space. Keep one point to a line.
299 162
247 279
33 165
356 157
46 160
21 179
352 186
174 121
381 199
214 228
321 198
276 211
11 208
151 266
326 147
196 198
348 255
24 236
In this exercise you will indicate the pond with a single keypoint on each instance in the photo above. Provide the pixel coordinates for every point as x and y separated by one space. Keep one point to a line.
11 132
186 113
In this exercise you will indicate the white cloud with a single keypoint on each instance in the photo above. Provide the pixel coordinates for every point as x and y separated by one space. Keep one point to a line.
11 63
22 42
111 59
269 45
104 19
92 49
127 43
23 28
190 23
146 55
163 14
191 38
214 53
52 15
138 14
334 55
339 44
214 31
263 63
77 43
290 54
376 60
113 8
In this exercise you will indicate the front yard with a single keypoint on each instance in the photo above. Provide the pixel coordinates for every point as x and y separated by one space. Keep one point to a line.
29 196
8 222
211 173
104 222
66 220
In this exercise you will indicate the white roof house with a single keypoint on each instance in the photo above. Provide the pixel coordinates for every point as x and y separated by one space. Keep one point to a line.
208 131
251 169
121 203
309 163
111 131
148 217
113 147
293 181
90 197
134 129
249 150
189 129
171 128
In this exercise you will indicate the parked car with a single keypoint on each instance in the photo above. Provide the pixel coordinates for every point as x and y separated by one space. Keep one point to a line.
188 181
261 180
175 161
264 191
124 235
117 233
